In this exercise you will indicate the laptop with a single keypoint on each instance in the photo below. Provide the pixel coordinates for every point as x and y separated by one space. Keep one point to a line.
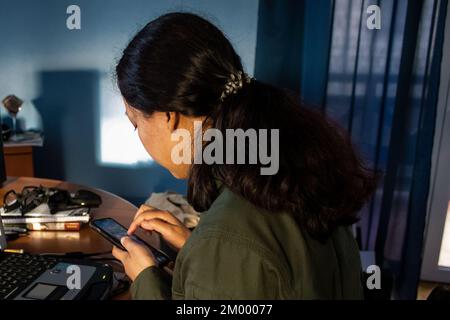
40 277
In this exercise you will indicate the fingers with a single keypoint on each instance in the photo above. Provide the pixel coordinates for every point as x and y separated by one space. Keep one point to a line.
157 225
159 214
119 254
135 259
142 208
173 235
133 247
129 244
149 215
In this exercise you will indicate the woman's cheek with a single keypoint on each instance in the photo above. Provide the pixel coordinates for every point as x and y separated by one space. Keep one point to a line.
148 143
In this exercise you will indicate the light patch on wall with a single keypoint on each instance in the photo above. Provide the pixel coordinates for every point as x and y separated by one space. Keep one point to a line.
119 143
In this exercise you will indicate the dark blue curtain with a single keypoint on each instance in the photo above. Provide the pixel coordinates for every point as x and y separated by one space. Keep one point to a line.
381 85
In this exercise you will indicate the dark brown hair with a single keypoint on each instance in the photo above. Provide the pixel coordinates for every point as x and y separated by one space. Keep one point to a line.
180 62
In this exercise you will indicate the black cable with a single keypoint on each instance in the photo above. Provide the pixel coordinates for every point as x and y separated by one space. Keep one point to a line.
104 259
74 255
123 285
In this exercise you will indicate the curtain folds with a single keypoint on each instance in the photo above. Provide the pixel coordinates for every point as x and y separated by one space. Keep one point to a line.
381 85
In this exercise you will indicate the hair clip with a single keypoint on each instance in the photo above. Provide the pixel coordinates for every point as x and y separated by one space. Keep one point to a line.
234 84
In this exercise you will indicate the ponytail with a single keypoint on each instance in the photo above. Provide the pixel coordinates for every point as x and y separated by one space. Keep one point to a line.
320 180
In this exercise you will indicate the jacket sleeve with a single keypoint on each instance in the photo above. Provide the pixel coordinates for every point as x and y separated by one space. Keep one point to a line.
151 284
225 268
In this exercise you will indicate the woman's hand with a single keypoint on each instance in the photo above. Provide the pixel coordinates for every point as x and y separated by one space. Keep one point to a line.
171 229
137 257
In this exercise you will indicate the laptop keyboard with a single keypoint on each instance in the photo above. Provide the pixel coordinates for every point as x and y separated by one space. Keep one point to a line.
17 271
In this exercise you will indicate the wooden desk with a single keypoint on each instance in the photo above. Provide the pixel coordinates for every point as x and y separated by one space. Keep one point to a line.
86 240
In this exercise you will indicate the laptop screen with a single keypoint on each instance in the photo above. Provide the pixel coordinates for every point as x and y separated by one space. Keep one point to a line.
2 162
2 236
2 178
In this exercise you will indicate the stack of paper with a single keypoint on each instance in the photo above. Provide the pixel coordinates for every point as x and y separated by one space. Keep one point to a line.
41 214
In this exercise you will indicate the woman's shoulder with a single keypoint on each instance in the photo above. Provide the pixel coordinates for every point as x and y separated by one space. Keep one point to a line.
237 233
231 214
234 220
231 210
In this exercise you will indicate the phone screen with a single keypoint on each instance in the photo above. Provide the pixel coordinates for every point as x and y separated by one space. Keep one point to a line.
113 229
117 231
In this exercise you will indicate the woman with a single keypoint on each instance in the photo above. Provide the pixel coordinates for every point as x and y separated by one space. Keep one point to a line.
261 236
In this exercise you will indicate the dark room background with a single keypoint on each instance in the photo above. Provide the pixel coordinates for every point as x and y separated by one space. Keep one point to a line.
379 84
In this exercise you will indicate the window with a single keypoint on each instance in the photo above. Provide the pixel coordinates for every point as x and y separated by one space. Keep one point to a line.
444 254
436 255
119 143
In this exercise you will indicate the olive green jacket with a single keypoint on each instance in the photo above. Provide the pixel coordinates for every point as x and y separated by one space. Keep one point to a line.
239 251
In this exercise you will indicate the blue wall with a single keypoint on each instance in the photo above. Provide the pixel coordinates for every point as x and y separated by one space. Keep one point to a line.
61 71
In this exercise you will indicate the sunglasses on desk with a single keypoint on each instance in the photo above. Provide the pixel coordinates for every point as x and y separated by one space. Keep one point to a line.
57 199
27 200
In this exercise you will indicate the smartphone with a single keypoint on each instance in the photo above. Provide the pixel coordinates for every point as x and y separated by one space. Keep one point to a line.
114 231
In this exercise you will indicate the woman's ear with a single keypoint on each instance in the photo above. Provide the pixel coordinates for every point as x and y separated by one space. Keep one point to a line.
173 120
